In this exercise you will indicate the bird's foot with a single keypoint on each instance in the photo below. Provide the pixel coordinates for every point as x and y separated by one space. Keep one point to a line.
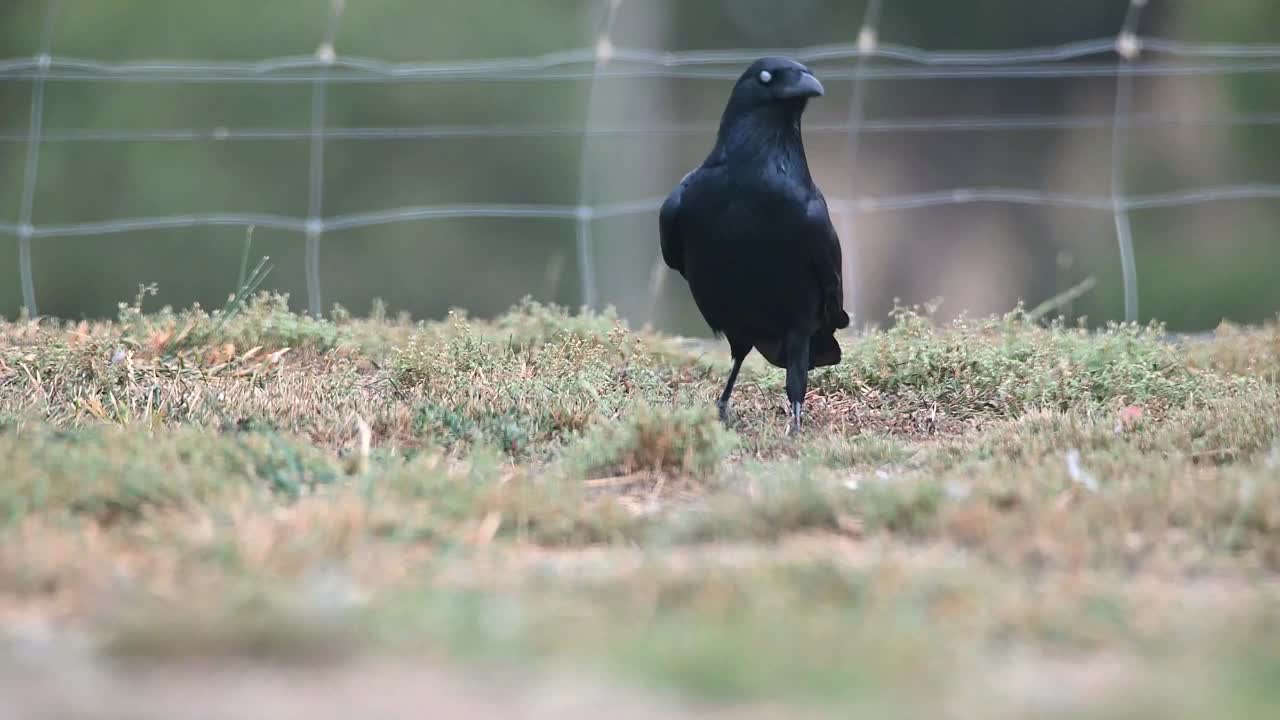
797 413
723 409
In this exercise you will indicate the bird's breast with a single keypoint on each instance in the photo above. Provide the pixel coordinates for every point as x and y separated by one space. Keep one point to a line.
746 262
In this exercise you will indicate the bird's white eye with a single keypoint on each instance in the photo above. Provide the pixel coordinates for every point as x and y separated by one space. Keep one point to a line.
766 77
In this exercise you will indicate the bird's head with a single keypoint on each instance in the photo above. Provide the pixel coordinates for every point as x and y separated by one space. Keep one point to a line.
776 82
763 114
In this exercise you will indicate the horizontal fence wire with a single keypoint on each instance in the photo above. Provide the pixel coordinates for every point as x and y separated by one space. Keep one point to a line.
452 132
580 62
1117 58
955 196
1058 71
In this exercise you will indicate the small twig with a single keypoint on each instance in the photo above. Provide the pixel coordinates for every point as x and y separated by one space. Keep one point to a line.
1237 519
1078 473
244 257
657 490
1063 298
1217 453
488 528
616 481
358 463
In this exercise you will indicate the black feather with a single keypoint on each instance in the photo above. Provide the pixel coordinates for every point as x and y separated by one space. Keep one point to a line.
750 231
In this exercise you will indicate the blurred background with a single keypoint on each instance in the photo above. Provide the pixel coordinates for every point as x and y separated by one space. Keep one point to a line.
140 144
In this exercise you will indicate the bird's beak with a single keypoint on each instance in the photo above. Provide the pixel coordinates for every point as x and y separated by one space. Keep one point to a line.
806 86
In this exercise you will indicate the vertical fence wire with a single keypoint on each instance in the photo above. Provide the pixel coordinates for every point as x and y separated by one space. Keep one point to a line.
1128 47
326 54
868 38
584 216
31 172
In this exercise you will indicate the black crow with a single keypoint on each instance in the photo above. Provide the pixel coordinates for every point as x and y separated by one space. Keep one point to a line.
750 233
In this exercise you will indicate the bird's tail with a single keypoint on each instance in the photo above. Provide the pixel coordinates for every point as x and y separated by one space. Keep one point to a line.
823 350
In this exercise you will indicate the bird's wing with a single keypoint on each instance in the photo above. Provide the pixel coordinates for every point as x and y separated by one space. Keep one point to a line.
824 247
669 227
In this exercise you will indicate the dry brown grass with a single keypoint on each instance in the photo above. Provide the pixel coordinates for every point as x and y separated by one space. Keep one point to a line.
556 488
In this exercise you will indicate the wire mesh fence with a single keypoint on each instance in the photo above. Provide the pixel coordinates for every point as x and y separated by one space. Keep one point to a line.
1125 56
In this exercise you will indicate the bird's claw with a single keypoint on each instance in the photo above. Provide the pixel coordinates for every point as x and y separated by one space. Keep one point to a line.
794 427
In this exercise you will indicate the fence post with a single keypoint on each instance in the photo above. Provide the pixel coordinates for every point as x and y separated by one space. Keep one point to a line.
326 54
1127 48
584 213
30 176
850 267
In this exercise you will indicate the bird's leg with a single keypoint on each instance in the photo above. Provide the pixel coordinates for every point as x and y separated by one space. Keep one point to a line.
797 377
723 403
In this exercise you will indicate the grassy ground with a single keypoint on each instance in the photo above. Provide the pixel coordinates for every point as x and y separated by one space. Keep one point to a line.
989 518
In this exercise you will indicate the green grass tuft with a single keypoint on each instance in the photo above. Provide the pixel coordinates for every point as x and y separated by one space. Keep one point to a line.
537 394
554 488
1005 367
686 441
